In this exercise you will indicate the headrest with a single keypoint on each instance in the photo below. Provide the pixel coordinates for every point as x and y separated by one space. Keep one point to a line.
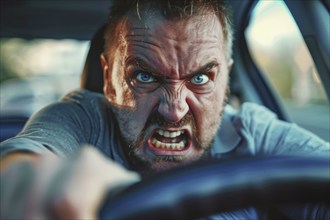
92 76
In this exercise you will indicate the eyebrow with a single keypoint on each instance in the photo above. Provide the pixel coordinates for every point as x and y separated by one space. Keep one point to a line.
205 68
141 63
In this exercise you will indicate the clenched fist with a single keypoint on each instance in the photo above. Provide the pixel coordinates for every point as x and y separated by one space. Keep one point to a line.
46 186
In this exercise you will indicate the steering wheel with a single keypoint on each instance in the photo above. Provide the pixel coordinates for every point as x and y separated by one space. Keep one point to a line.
192 191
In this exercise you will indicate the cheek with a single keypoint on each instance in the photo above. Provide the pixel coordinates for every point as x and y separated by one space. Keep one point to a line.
209 112
145 105
207 109
133 120
124 96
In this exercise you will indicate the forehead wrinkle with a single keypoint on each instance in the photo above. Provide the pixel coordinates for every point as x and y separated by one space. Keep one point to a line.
157 67
144 37
156 55
168 45
138 61
144 44
149 54
199 57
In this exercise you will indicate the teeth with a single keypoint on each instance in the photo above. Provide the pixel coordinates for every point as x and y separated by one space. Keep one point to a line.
169 134
168 146
166 134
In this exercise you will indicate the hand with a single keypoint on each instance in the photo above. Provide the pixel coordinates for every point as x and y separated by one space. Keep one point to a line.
50 187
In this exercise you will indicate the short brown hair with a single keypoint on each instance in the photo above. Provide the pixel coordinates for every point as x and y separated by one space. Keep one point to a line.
171 9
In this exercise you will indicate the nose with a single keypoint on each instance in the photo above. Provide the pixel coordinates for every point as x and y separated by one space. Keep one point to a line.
173 107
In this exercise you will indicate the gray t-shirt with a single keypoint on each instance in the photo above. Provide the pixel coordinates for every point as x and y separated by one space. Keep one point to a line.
85 118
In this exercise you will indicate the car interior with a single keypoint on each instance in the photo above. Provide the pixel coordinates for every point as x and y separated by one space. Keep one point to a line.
248 83
56 19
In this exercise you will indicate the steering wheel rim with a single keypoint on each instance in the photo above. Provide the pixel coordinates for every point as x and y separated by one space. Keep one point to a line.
258 182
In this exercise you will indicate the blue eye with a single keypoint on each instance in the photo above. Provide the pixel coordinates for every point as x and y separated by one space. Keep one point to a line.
145 77
200 79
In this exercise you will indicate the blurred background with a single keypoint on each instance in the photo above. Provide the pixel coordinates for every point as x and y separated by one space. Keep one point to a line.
37 69
276 45
37 72
43 45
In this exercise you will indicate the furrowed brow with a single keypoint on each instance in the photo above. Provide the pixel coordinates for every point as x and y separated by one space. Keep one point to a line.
136 61
205 68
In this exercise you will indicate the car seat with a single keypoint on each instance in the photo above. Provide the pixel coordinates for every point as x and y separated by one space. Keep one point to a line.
92 75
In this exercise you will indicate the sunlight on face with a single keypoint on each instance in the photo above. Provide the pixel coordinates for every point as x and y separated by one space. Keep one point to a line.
167 84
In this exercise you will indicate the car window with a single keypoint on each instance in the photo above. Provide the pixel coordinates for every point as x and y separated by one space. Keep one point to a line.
37 72
280 53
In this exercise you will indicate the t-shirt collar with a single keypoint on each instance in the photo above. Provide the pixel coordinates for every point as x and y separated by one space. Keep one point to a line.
227 137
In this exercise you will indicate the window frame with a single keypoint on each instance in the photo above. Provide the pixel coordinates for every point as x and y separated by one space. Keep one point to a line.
253 85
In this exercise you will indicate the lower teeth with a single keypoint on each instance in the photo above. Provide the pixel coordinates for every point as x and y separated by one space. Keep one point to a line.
168 146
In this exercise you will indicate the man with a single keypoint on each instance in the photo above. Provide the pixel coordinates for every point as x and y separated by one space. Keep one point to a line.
166 68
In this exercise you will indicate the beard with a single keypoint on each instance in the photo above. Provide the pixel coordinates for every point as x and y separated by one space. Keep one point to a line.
165 162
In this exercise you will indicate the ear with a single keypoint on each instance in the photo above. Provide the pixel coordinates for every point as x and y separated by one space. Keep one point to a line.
230 65
105 69
104 64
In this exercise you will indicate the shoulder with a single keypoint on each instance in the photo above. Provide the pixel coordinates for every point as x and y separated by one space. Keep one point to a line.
249 112
250 115
254 122
82 96
64 126
76 104
238 127
262 132
253 127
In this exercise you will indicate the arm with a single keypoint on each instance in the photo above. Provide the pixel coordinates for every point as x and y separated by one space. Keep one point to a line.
45 186
46 173
63 127
16 157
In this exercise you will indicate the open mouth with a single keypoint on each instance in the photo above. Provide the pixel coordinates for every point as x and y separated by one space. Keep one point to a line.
170 140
